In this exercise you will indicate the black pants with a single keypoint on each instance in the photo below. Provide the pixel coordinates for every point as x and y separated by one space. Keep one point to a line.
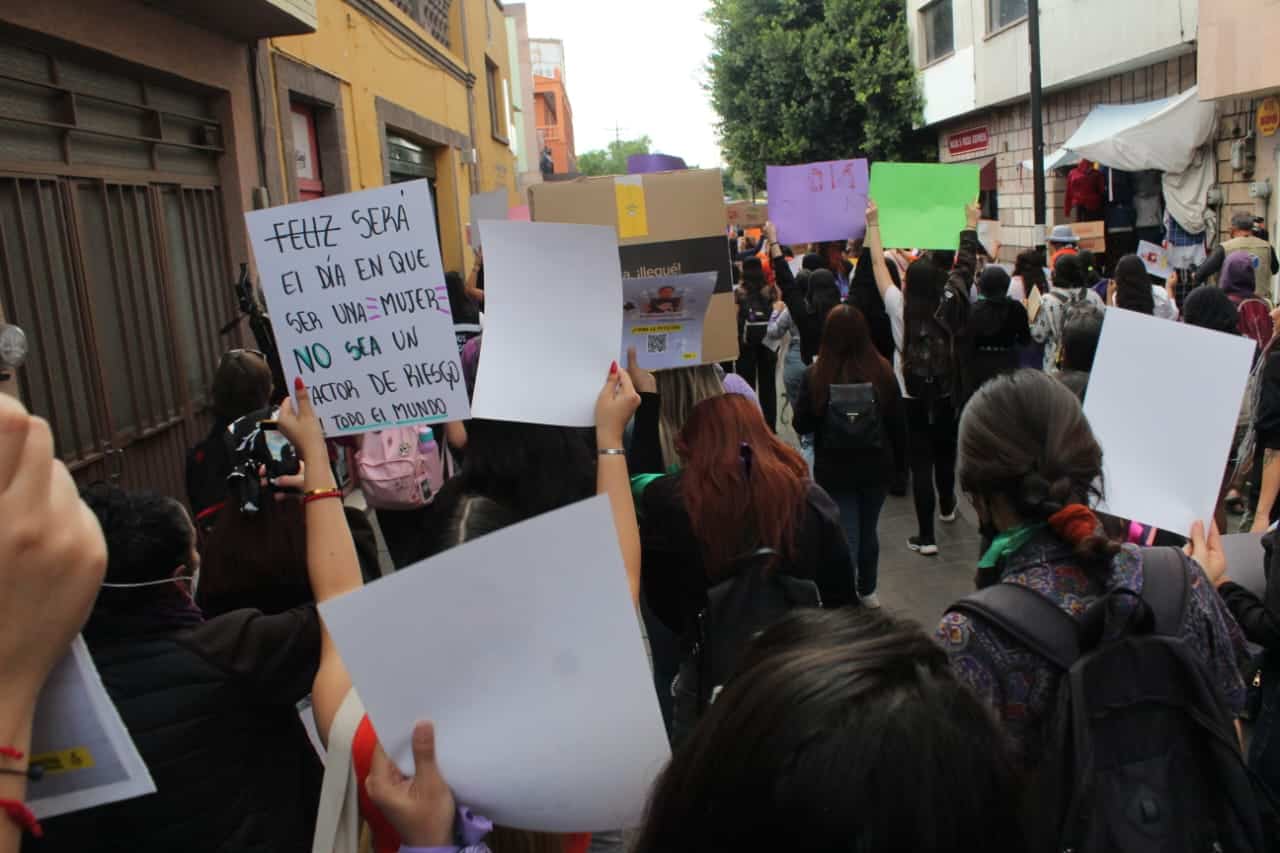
931 437
759 366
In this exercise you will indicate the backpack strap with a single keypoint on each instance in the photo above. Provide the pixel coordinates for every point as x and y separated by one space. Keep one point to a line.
1031 618
1165 588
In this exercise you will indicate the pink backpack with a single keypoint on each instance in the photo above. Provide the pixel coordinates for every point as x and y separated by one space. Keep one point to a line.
401 467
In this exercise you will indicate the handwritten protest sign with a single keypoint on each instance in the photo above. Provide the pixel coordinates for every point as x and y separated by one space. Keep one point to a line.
744 214
1155 259
922 204
818 201
360 309
663 317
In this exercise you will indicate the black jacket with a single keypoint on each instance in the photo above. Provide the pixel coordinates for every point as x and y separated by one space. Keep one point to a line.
211 706
1259 618
996 328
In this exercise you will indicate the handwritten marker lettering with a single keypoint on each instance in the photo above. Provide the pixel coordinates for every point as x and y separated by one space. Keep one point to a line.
313 232
334 265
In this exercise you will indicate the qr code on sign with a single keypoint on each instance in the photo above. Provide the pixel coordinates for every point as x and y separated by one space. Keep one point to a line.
656 343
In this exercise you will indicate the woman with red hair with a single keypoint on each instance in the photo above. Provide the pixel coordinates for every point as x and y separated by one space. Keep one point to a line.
739 490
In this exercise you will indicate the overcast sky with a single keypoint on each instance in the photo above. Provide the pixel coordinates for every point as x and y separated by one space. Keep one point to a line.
638 65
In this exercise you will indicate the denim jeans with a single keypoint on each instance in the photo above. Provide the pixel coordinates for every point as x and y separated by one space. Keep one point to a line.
859 516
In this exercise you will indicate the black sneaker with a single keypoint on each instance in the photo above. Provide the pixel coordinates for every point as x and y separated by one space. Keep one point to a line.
923 547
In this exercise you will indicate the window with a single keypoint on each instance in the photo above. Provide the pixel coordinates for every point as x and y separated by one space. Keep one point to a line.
939 30
1002 13
498 126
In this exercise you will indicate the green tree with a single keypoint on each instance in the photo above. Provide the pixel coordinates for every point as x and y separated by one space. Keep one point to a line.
795 81
613 160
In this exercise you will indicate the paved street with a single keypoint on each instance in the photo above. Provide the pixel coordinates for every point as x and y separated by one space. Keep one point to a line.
922 587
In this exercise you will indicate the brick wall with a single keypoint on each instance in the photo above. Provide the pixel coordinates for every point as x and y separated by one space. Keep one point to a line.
1063 112
1236 117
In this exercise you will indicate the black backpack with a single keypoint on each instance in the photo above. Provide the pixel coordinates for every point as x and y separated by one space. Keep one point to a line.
928 365
755 324
1141 755
853 419
735 612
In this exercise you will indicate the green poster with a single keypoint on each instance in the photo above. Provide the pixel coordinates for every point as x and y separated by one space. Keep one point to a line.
922 204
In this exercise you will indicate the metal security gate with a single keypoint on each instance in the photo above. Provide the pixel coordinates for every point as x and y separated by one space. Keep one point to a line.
113 259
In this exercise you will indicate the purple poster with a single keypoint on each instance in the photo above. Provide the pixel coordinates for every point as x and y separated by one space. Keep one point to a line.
818 201
645 164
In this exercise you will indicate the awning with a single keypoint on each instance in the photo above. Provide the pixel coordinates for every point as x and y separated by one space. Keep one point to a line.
987 175
1160 134
1061 157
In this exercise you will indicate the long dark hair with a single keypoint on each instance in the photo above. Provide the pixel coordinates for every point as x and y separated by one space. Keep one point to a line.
843 730
1133 286
922 295
742 486
1030 266
529 468
1024 437
463 308
849 355
823 293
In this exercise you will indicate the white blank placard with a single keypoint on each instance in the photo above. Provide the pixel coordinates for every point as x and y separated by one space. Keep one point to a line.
525 651
553 315
1163 401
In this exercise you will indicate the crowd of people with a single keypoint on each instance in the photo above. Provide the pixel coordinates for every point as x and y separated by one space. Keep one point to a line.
1088 696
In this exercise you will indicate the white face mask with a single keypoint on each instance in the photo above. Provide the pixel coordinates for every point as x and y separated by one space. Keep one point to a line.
193 579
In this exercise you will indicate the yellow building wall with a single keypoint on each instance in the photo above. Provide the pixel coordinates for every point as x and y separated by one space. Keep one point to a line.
371 62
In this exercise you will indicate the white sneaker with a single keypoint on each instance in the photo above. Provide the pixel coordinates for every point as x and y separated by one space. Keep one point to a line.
949 517
925 549
872 601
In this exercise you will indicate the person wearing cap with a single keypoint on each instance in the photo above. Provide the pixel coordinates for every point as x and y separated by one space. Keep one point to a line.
1062 241
1243 239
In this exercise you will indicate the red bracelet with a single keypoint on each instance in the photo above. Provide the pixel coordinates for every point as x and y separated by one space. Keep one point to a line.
10 752
321 494
22 816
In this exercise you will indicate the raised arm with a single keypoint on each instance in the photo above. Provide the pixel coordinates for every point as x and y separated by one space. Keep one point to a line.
52 558
472 286
332 566
616 404
884 282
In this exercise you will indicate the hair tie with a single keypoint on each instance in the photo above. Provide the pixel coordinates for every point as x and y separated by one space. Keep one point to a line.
1074 523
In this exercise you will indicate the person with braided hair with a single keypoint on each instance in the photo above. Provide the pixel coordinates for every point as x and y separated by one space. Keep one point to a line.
1030 463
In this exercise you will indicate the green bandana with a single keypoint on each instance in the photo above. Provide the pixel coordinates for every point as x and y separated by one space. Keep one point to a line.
1008 542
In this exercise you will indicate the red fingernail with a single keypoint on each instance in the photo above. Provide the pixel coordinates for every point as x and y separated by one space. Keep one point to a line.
298 384
613 368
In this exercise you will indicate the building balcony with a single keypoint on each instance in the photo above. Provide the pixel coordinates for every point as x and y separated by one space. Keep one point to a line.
433 15
246 20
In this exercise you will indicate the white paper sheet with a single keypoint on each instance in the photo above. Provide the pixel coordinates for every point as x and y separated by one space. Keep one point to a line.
1155 259
360 308
491 205
1246 561
663 318
553 309
524 650
1163 401
80 740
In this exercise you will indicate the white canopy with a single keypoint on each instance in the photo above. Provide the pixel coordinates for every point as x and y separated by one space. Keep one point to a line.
1160 134
1167 135
1061 157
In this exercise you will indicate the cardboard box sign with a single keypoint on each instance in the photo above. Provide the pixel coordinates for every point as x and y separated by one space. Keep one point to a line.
669 223
744 214
1093 235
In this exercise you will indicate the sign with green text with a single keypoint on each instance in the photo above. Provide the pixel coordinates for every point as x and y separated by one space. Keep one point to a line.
922 204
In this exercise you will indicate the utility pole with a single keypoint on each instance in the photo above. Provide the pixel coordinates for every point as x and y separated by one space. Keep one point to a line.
1037 124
